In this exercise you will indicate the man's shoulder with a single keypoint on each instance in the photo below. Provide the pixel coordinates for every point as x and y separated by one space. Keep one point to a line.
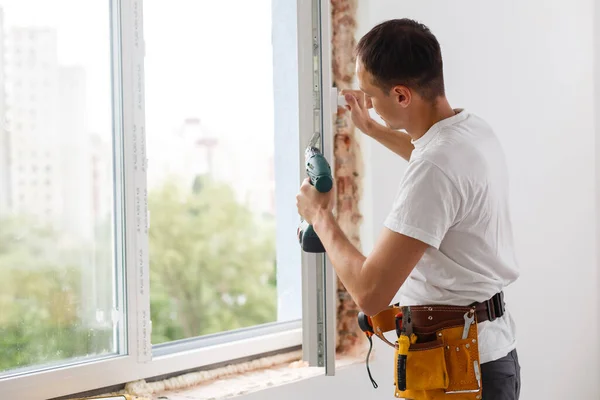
465 144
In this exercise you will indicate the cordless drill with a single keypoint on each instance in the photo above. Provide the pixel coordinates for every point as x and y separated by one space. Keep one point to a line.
319 172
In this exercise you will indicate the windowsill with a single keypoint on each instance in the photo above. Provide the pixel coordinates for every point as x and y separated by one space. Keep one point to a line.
249 382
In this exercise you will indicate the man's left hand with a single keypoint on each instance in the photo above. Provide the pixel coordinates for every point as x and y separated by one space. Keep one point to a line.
311 202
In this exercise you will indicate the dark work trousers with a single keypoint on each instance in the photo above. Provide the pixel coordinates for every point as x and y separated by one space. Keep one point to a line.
501 379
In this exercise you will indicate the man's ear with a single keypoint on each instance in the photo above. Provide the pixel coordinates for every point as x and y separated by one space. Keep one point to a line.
403 95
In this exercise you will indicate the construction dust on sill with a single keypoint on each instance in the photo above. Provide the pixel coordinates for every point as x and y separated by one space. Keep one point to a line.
233 380
246 383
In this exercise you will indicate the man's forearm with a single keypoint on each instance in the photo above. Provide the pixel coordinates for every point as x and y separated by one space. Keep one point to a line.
346 259
398 142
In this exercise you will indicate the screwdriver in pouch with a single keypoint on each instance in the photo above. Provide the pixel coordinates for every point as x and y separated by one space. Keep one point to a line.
403 345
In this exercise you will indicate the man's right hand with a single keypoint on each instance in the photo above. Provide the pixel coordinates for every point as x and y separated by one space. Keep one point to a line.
359 106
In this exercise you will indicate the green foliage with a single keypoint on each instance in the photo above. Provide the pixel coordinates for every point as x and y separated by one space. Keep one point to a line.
40 284
212 262
212 269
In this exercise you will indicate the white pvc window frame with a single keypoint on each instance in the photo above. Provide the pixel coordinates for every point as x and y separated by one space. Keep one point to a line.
316 107
137 359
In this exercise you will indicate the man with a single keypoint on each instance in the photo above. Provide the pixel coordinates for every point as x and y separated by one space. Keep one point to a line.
448 238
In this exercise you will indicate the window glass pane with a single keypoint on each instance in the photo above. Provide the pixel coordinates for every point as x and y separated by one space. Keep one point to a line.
211 169
57 285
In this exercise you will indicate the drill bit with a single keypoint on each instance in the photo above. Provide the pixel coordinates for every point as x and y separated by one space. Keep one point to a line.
315 140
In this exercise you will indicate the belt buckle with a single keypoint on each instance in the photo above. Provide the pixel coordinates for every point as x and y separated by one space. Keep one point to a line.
491 310
495 306
499 303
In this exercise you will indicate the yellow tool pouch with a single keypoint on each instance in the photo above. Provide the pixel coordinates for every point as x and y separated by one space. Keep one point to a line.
443 366
425 366
437 351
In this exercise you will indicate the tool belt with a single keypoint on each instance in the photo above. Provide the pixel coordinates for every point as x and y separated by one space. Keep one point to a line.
437 347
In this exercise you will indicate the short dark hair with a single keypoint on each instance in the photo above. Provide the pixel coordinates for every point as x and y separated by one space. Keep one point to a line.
403 52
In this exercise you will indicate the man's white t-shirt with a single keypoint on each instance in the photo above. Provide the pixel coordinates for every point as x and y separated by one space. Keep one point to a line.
454 197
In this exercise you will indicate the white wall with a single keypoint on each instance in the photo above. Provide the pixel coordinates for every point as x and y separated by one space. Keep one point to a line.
526 67
528 70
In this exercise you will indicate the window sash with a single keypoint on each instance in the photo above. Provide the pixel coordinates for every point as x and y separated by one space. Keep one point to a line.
319 283
77 376
137 359
134 174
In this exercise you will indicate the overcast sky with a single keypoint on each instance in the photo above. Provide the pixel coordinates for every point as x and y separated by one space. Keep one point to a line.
204 58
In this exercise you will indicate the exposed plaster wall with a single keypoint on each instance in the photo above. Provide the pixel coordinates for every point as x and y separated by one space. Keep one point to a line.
348 165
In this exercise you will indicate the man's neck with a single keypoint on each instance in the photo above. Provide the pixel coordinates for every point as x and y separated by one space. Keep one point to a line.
428 116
